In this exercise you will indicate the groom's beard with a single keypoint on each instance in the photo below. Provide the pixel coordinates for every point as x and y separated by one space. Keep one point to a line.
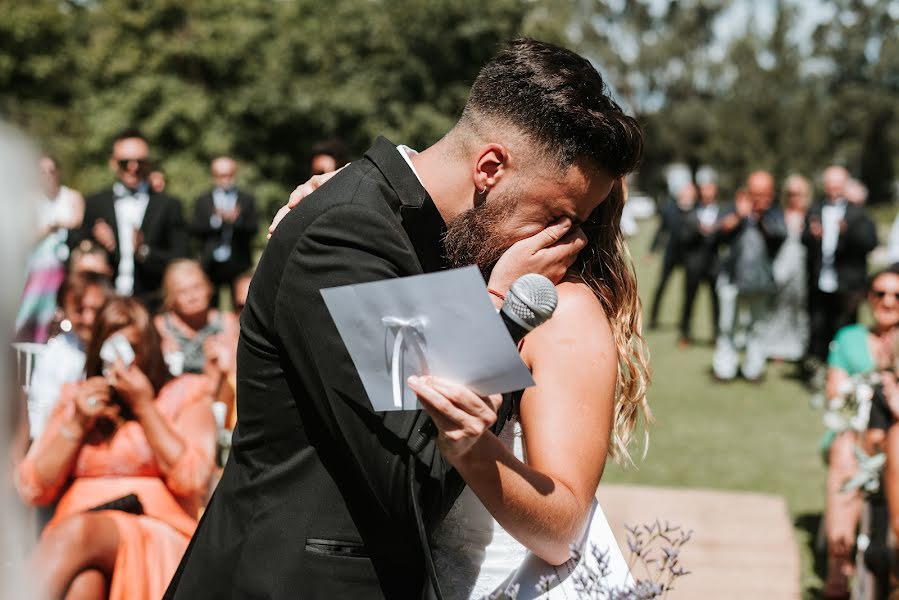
474 238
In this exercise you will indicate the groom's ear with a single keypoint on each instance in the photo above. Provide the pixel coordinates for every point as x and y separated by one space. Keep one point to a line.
491 164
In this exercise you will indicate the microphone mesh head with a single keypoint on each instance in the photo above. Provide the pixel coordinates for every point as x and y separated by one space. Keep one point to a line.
532 298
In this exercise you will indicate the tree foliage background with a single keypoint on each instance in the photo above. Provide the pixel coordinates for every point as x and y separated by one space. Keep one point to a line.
265 79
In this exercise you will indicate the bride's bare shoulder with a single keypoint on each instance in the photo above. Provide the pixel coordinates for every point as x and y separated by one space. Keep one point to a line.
579 312
577 298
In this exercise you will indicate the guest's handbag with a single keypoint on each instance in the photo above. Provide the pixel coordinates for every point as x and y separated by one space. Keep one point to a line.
129 504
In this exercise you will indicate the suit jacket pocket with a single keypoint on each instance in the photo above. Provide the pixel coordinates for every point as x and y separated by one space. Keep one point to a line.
337 548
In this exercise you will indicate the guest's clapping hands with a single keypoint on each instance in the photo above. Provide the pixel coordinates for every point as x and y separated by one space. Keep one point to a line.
550 252
461 416
102 232
815 228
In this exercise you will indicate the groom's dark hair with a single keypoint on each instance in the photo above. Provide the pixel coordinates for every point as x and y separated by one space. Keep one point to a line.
558 100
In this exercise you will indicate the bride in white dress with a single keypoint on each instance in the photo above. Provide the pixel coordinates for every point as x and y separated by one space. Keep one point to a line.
476 558
531 491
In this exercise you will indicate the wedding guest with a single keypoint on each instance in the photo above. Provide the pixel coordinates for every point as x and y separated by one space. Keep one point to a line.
667 235
60 209
224 223
90 257
156 180
855 350
328 155
141 230
839 235
196 338
699 239
128 454
753 232
81 297
787 326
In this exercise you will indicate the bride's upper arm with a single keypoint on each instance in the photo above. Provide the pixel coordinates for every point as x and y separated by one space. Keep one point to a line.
567 417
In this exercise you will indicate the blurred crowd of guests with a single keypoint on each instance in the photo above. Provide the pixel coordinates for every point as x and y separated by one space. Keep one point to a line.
128 407
786 281
783 277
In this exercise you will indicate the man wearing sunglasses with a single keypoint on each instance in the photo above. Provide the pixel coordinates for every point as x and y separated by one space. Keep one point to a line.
140 229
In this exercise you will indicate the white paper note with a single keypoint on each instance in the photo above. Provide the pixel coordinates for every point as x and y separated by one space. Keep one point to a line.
457 334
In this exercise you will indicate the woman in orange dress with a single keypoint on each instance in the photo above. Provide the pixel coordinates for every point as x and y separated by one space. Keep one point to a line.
122 431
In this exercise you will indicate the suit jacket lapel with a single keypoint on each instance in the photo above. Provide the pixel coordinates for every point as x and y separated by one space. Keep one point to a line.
419 215
154 206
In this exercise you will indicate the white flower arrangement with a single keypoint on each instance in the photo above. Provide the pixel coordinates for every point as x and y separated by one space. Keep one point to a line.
850 409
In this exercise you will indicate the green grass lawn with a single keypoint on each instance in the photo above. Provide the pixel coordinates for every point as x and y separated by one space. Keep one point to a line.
736 436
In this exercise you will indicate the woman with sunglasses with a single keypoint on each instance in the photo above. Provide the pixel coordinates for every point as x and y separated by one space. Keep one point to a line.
856 349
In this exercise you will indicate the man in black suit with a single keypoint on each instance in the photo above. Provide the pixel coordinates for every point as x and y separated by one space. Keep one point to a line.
699 244
839 236
140 229
752 232
224 223
316 500
668 234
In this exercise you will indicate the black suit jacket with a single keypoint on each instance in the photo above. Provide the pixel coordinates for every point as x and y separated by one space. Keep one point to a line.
163 231
853 247
314 501
242 231
699 248
670 217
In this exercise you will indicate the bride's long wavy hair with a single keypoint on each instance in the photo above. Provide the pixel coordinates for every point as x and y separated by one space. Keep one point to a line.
559 100
605 266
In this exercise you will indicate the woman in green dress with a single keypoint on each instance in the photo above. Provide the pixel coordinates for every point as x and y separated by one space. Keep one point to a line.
856 349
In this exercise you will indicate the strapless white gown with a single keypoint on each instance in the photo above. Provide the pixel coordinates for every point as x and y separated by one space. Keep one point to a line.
475 557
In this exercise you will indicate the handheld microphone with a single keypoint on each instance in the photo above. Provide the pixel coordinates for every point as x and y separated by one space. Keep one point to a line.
530 302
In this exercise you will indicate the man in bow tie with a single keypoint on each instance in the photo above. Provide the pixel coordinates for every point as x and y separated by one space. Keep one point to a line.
224 224
140 229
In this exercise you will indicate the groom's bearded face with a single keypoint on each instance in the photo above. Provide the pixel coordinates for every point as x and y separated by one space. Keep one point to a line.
476 236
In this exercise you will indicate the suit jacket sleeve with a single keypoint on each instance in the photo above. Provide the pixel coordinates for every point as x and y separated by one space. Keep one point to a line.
860 236
178 243
374 446
248 221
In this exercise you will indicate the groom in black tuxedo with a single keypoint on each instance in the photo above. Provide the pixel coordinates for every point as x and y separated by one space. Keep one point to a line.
314 501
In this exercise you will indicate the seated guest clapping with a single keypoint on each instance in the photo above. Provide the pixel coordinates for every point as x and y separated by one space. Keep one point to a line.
196 338
128 453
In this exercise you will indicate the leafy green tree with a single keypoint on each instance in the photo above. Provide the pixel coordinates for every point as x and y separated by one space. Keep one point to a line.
257 79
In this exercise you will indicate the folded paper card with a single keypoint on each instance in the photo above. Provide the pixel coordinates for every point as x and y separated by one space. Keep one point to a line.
441 324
